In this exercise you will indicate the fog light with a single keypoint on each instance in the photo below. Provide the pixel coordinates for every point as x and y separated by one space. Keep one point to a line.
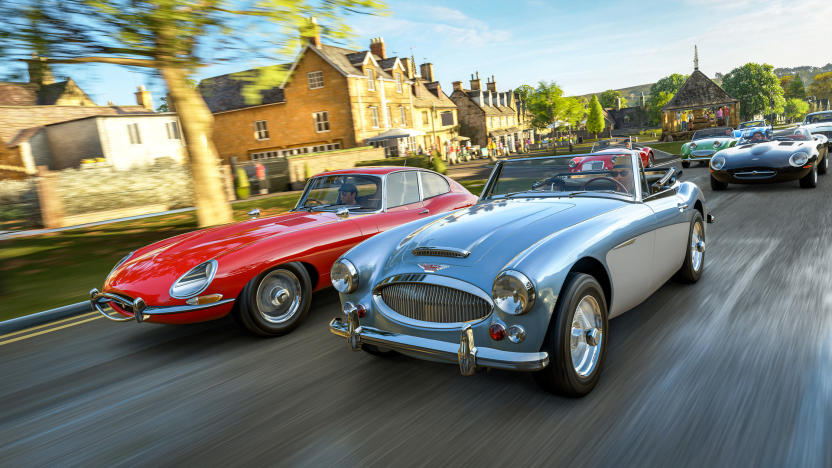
497 331
207 299
516 334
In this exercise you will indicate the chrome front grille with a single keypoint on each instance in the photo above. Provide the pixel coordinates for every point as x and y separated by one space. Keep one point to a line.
755 174
434 303
440 252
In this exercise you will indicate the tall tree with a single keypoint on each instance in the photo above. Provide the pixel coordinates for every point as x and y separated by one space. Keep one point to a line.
795 109
595 119
821 86
796 89
661 92
549 107
609 99
757 88
173 38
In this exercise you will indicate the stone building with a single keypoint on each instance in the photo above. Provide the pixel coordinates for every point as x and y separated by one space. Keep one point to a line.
486 114
332 98
435 114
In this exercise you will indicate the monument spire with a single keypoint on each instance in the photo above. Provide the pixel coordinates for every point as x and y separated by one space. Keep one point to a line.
695 57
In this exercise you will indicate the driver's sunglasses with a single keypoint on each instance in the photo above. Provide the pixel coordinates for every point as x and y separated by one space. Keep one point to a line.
618 173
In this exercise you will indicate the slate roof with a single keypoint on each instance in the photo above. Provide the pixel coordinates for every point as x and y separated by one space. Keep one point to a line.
18 94
429 97
697 92
225 92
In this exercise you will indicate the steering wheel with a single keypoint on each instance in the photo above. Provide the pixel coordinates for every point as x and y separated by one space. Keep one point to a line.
623 188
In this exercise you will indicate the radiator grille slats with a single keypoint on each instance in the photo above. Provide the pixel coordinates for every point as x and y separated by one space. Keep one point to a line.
440 252
434 303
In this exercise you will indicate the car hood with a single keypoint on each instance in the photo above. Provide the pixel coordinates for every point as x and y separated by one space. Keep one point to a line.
496 231
751 154
171 258
704 142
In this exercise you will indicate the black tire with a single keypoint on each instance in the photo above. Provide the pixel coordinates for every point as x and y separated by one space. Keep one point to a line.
560 376
810 180
651 160
686 164
823 167
253 315
690 272
717 185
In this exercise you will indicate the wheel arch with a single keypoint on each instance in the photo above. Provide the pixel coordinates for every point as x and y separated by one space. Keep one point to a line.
593 267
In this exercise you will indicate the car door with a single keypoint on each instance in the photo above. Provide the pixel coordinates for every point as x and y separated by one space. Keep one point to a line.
403 200
671 227
630 260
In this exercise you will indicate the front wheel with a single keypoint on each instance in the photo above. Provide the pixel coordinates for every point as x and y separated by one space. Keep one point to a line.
275 301
686 164
717 185
576 339
694 251
651 161
810 180
823 167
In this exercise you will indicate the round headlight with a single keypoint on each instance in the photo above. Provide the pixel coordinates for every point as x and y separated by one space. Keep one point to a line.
716 144
798 159
717 162
513 292
344 276
693 146
195 281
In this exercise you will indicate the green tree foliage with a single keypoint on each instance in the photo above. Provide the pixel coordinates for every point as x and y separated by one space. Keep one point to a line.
757 88
548 105
661 93
792 87
795 109
595 119
821 86
609 99
174 38
524 92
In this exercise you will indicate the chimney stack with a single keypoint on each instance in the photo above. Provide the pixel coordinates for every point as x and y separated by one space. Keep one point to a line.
427 72
475 83
457 85
39 71
492 85
377 47
143 98
410 68
311 32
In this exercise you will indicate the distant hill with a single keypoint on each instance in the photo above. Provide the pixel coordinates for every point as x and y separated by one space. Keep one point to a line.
807 74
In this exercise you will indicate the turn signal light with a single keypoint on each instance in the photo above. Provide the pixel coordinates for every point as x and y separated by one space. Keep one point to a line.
360 310
206 299
497 331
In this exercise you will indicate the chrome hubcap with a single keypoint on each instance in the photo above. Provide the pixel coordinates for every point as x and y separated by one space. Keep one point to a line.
279 296
697 246
587 336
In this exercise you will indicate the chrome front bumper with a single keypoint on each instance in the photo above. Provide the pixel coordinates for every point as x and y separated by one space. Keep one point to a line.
465 353
140 310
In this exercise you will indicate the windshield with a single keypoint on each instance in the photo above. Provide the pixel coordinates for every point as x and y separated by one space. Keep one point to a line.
756 136
719 132
590 174
755 123
793 134
612 143
819 117
352 191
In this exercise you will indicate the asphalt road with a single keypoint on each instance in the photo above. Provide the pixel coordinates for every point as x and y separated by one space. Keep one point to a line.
735 370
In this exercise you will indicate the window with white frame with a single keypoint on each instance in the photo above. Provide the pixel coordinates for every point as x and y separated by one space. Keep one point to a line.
261 130
398 82
173 130
403 116
374 115
321 121
425 118
371 79
315 79
133 133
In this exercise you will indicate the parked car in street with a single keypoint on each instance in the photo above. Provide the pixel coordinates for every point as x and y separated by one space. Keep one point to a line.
766 157
750 127
263 271
614 145
705 143
527 278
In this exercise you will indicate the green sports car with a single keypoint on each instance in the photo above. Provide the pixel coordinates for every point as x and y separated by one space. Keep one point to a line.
705 143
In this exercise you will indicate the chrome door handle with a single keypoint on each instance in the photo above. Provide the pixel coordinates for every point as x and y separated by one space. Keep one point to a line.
682 206
425 211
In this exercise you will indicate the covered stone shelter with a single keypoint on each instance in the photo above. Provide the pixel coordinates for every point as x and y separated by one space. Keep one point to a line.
699 103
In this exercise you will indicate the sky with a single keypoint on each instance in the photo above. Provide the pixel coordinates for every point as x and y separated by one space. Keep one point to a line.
585 46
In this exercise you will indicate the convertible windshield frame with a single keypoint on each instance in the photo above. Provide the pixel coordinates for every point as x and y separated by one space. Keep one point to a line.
715 132
379 180
818 117
502 166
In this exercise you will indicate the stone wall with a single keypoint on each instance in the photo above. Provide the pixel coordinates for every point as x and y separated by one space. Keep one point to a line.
330 160
19 201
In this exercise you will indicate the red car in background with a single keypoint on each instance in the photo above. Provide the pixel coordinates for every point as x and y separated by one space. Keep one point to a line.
615 145
263 271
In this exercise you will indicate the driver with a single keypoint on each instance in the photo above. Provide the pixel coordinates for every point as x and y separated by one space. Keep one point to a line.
347 193
622 172
756 137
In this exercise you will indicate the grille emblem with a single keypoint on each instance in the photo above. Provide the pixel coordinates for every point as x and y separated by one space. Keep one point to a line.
432 267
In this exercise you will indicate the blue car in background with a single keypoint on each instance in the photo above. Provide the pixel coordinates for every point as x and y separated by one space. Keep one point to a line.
746 129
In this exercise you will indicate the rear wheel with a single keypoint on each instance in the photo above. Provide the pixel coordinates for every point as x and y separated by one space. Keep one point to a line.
576 339
810 180
823 167
651 160
717 185
276 301
695 252
686 164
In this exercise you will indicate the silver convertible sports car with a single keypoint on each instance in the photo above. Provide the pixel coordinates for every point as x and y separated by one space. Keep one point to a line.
527 278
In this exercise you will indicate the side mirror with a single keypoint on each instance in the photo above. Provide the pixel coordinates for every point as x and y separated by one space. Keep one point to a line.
255 213
342 213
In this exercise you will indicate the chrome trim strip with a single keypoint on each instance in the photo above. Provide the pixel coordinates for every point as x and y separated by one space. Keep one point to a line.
99 299
431 251
214 268
442 350
625 243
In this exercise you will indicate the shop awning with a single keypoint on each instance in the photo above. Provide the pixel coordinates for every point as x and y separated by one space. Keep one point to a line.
460 138
396 133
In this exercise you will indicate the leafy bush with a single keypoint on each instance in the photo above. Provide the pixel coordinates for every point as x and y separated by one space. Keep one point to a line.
412 161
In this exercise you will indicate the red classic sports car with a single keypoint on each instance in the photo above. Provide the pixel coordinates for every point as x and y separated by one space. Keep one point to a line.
613 145
264 270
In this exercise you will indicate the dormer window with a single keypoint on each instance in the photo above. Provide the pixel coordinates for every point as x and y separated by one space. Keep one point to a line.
371 80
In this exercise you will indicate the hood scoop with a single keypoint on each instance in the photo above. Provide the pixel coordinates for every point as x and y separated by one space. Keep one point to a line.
786 143
447 252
